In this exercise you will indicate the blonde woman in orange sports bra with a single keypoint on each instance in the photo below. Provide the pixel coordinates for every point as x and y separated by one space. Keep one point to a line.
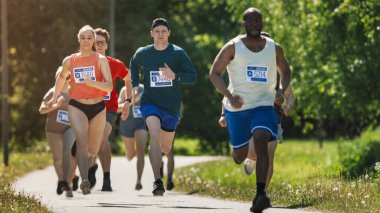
90 81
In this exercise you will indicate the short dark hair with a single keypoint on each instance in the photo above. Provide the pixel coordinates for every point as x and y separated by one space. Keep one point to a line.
160 21
103 32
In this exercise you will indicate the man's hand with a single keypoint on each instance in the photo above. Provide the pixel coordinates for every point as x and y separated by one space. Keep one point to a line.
167 72
125 111
236 101
222 121
279 98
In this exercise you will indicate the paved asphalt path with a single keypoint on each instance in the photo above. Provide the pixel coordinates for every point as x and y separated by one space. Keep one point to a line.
124 198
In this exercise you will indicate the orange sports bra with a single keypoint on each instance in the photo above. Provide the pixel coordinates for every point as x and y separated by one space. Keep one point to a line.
80 67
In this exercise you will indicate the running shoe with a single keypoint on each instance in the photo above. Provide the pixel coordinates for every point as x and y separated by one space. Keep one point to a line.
60 186
169 185
75 183
92 174
69 193
249 166
158 187
106 185
138 186
260 203
85 186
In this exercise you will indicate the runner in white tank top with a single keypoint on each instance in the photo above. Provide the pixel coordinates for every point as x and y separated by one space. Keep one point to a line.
251 61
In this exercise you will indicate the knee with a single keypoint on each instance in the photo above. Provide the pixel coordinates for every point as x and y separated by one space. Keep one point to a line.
166 149
130 156
238 159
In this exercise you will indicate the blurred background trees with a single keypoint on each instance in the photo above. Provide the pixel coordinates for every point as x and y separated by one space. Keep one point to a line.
332 47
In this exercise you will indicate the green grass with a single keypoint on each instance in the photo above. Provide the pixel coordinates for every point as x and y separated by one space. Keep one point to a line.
19 165
182 146
304 177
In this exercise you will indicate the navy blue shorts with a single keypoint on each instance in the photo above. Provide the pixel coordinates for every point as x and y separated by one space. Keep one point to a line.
168 121
242 124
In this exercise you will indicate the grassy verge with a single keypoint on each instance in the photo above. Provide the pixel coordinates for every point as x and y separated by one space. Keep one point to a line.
182 146
20 164
304 178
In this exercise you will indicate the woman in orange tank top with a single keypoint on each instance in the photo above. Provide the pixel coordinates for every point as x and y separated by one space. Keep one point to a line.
90 80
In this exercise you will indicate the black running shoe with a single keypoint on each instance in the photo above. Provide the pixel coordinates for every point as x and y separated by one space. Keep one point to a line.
162 169
92 174
169 185
106 185
158 187
260 203
60 186
75 183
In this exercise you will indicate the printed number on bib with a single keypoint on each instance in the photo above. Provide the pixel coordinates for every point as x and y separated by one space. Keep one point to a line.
136 112
158 80
63 117
81 72
107 97
257 74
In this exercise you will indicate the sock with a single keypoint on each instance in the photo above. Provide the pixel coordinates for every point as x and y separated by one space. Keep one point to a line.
260 188
138 181
106 175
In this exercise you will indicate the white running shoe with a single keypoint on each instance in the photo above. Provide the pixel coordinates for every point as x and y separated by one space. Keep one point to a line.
249 166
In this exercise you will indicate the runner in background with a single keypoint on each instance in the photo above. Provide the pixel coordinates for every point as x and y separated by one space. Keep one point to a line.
134 133
60 137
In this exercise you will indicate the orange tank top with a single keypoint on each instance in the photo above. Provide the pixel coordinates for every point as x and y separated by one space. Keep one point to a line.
80 67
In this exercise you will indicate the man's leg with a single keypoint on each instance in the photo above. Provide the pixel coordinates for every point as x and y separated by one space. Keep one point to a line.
260 140
141 137
271 151
129 145
155 154
169 183
105 156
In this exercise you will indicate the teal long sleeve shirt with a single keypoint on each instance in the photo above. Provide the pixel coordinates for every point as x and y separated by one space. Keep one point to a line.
148 59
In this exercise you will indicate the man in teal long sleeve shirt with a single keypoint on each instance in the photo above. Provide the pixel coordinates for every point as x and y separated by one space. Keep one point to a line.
165 67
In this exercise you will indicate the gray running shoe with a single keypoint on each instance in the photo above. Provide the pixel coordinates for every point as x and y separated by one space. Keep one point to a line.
249 166
85 186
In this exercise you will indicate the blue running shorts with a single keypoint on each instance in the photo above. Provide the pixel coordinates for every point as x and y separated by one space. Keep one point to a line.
168 121
242 124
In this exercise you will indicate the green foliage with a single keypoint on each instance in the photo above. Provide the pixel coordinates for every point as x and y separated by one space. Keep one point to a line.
360 156
332 47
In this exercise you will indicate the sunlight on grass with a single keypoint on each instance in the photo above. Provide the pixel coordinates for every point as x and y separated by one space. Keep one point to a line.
20 164
304 178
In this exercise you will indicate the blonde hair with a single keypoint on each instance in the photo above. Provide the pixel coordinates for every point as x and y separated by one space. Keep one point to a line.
86 28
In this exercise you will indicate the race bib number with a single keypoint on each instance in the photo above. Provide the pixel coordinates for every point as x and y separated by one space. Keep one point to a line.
63 117
107 97
80 73
136 112
157 80
257 74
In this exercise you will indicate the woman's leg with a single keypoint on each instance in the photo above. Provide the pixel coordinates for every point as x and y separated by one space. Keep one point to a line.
55 142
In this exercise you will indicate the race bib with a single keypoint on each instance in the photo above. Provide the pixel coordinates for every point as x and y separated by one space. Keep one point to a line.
63 117
136 112
257 74
81 72
107 97
157 80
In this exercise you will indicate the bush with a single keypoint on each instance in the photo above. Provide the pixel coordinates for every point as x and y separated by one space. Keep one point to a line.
359 156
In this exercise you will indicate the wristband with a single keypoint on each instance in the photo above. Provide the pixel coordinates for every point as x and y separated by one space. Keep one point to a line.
223 115
129 100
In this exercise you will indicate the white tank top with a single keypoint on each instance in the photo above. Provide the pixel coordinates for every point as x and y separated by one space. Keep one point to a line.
252 75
